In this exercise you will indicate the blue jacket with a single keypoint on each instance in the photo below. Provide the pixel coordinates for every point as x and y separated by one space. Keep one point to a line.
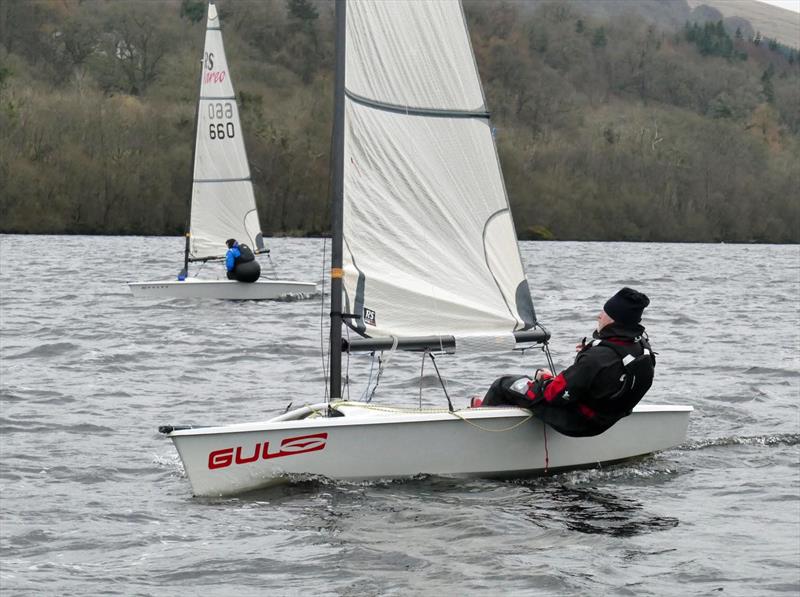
231 256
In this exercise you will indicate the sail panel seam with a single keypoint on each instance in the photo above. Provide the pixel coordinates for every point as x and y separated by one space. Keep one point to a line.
440 112
248 179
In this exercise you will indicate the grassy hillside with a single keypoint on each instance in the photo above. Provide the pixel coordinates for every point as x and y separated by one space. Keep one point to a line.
771 21
610 124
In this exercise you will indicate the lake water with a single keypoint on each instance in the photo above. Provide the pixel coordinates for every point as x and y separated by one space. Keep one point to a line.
94 501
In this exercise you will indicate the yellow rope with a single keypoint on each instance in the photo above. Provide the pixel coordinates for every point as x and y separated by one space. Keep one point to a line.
514 426
394 409
390 409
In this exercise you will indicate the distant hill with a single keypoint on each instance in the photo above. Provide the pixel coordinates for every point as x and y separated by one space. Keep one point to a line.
749 16
667 14
773 22
638 120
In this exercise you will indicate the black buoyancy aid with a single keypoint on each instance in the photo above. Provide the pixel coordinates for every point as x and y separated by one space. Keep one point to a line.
246 254
637 379
587 417
246 268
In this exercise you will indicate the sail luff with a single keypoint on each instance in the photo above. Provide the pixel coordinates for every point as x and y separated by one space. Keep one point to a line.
337 203
223 202
188 230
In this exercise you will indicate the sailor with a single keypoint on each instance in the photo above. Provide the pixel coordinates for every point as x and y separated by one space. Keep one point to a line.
609 377
240 262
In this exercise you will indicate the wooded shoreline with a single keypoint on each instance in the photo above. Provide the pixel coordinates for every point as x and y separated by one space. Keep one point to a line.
655 126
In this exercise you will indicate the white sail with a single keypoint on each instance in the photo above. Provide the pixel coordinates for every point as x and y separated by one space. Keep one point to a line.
223 204
429 241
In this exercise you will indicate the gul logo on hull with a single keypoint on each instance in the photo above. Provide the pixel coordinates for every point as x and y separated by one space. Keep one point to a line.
289 447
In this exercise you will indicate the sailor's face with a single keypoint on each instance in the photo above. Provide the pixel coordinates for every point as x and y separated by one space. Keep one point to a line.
603 320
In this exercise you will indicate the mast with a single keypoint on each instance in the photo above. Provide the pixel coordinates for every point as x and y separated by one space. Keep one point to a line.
337 203
188 233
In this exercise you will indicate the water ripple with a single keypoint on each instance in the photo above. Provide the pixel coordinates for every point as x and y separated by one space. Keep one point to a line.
93 500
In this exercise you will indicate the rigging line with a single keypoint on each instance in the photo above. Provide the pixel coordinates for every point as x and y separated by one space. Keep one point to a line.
422 376
546 350
272 265
322 322
377 378
363 397
392 409
200 269
546 452
482 428
347 365
381 365
441 381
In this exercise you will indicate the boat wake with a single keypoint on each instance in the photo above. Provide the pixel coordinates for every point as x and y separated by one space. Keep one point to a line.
779 439
296 296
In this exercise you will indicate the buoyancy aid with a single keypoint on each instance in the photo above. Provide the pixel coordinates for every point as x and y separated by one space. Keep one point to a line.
587 416
637 379
245 254
246 268
578 414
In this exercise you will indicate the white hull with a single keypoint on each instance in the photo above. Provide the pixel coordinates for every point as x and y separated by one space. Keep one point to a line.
375 443
220 289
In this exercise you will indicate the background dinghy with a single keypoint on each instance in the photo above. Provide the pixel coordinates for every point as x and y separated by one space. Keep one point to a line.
223 205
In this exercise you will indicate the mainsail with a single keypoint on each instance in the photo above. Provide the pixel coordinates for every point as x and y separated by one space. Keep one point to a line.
223 204
429 241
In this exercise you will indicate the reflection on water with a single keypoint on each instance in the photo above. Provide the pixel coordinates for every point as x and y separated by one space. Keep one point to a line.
596 513
546 503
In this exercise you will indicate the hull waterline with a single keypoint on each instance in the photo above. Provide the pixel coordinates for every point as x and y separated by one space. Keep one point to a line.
367 442
220 289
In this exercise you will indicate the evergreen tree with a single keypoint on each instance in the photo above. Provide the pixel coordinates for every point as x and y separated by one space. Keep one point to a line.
599 40
194 10
766 84
303 10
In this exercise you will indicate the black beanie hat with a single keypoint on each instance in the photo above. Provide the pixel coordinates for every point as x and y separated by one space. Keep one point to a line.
230 242
626 306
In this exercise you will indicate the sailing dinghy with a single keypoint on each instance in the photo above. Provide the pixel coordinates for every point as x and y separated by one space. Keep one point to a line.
223 205
424 258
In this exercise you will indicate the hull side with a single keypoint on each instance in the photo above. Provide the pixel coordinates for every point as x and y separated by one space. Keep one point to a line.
229 460
220 289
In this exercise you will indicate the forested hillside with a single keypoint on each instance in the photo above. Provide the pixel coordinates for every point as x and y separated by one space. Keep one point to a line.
656 124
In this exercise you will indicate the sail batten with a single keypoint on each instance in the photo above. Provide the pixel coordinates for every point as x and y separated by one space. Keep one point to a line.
430 241
416 111
223 202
